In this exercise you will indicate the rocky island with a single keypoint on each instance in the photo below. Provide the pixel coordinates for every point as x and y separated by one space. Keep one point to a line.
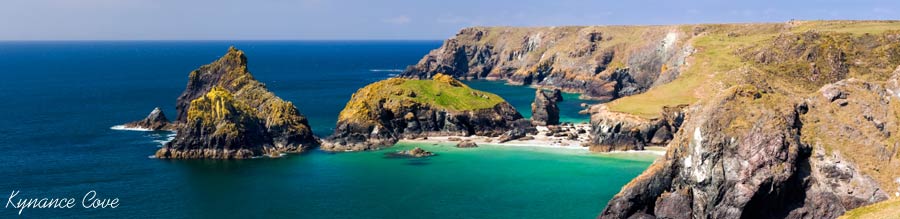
154 121
384 112
224 113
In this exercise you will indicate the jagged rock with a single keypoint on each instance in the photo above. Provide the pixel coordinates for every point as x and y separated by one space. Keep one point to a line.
566 58
749 153
226 114
156 120
519 129
556 95
544 109
413 153
467 144
453 139
375 118
619 131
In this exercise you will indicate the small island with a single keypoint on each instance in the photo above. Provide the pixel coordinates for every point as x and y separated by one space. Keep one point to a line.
224 113
384 112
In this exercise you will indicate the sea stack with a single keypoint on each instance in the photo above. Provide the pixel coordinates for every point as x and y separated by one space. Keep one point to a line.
156 120
384 112
224 113
544 110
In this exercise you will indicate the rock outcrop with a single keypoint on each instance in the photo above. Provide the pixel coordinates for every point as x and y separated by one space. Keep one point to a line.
227 114
752 153
156 120
544 109
601 62
778 127
467 144
614 131
412 153
384 112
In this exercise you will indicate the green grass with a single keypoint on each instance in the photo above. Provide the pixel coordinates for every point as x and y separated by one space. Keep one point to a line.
714 58
852 27
889 209
442 92
446 96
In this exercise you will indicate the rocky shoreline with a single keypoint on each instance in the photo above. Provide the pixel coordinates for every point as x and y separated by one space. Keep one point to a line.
565 136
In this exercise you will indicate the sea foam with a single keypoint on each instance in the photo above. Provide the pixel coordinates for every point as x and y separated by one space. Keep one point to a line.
123 128
386 70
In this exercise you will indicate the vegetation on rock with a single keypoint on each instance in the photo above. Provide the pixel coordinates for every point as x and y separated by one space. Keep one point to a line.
383 112
226 114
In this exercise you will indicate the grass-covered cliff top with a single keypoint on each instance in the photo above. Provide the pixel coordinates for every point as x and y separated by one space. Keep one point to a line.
441 92
789 56
886 209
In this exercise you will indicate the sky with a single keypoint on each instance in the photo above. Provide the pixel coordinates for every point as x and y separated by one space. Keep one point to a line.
384 20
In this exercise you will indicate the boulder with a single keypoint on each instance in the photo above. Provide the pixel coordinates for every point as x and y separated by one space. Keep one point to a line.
467 144
413 153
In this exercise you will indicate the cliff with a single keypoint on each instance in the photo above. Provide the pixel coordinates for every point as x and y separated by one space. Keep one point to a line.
383 112
601 62
615 131
792 120
224 113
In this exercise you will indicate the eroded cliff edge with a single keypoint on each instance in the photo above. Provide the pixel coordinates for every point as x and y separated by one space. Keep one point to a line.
793 120
384 112
601 62
224 113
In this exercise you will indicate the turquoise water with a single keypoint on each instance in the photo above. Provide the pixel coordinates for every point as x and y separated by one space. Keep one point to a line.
58 100
521 97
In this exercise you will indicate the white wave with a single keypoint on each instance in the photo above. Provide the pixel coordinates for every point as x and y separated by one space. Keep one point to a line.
393 75
169 137
386 70
152 156
123 128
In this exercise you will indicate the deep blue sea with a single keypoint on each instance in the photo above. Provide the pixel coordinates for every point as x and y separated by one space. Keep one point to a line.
58 101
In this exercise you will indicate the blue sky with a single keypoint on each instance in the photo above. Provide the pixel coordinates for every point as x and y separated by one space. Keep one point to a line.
392 19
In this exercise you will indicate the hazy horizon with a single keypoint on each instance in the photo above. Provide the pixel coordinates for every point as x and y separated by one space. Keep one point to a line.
343 20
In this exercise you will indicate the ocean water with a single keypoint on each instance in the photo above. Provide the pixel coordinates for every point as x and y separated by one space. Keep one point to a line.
58 101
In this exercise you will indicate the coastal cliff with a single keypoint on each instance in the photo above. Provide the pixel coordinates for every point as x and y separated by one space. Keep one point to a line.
384 112
224 113
792 120
615 131
601 62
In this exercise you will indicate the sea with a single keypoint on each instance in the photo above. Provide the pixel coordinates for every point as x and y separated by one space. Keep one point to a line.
59 100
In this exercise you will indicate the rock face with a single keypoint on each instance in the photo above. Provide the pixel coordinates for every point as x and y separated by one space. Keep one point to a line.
156 120
227 114
386 111
752 153
544 109
601 62
613 131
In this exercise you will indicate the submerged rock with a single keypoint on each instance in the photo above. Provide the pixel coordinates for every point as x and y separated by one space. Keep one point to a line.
227 114
467 144
384 112
156 120
544 109
413 153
